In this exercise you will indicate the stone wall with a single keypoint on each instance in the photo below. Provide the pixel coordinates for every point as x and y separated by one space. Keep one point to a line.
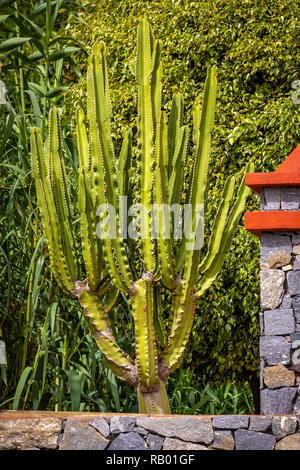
101 431
281 198
280 309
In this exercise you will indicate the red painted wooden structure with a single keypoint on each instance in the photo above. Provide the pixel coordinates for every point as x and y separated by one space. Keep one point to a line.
287 174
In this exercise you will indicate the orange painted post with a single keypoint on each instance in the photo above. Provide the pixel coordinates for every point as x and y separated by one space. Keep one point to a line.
287 174
278 226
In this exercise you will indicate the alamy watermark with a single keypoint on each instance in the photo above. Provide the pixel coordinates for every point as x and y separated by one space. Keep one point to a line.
161 221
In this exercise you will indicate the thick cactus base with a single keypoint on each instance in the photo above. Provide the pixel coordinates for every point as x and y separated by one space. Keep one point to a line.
154 400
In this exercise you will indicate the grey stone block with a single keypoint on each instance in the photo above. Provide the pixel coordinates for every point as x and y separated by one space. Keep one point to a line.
271 288
296 264
230 422
275 241
128 441
272 199
277 402
120 424
154 442
290 198
283 426
296 409
141 431
193 429
279 322
293 282
273 248
252 440
286 302
295 337
101 425
79 435
275 350
296 307
177 444
260 423
296 238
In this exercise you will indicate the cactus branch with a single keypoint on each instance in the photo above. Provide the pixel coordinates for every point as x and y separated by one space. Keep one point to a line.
214 266
144 68
142 310
99 324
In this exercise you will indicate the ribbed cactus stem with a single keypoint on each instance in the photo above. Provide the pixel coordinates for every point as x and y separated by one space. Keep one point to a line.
155 400
142 301
146 125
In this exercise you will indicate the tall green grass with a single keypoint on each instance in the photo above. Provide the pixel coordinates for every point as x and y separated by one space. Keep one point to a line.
35 52
223 399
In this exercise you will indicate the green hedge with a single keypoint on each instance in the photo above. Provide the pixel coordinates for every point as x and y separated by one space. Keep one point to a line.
256 49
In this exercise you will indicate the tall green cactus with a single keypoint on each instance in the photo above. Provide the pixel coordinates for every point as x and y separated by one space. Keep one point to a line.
167 263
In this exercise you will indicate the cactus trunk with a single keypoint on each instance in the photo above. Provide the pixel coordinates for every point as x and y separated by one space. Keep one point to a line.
154 400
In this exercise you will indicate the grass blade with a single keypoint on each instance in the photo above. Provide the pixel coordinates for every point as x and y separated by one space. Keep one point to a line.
20 387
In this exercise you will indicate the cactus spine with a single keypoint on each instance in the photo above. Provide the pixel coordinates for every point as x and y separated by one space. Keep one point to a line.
167 264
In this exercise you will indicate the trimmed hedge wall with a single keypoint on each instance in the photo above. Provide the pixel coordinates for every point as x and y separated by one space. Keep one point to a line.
256 49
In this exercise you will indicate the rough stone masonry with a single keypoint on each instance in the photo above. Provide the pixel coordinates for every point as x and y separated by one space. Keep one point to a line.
280 308
101 431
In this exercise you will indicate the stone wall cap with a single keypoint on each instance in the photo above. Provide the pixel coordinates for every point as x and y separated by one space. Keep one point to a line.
287 174
272 221
257 181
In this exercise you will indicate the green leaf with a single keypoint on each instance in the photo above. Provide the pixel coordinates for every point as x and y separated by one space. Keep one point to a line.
62 53
56 91
52 317
35 56
27 27
41 8
20 387
34 26
36 108
37 89
213 395
114 389
3 18
12 43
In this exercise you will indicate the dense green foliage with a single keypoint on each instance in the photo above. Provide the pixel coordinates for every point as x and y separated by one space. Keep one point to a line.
256 49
